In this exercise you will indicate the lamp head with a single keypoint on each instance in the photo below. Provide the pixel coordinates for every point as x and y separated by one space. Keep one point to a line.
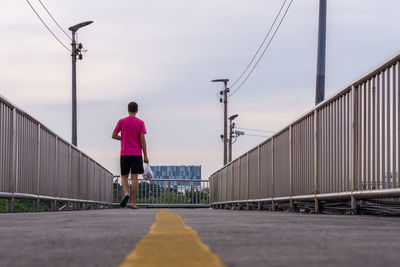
220 80
79 25
233 117
239 132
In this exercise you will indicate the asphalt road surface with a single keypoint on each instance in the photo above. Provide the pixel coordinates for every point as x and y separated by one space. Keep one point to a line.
240 238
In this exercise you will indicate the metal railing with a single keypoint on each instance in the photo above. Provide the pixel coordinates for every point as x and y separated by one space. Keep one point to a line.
37 164
346 148
167 193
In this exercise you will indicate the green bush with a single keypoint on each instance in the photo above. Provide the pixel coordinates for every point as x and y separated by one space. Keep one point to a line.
23 205
3 205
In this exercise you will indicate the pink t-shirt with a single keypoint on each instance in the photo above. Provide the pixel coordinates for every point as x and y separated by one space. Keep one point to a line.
130 128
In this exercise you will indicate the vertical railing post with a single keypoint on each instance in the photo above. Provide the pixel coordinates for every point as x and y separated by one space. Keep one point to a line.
258 179
88 185
219 183
316 161
226 183
354 139
210 185
95 186
290 165
81 192
247 180
36 202
169 189
233 186
197 194
272 173
56 182
239 179
13 160
69 183
55 189
79 181
210 190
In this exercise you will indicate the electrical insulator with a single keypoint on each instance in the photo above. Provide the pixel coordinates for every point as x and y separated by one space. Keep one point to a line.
80 56
220 100
80 46
221 92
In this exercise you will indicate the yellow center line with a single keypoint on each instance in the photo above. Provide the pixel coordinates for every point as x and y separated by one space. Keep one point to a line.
171 243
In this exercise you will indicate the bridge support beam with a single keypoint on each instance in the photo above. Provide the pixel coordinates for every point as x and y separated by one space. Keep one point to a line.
36 205
317 207
10 205
354 205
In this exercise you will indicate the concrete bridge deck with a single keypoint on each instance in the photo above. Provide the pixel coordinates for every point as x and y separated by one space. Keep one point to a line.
240 238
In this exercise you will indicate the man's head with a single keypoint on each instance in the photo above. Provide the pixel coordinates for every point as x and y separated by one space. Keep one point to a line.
132 107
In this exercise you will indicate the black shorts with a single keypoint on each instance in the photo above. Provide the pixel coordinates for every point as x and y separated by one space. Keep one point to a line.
131 164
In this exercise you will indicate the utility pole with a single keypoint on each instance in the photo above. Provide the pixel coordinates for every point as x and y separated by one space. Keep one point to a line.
74 115
231 128
320 83
224 93
76 52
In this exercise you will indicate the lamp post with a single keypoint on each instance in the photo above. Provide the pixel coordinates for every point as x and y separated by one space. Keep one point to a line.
224 93
76 52
231 127
320 83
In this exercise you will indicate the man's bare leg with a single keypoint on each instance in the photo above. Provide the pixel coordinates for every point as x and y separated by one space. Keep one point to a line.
134 189
125 185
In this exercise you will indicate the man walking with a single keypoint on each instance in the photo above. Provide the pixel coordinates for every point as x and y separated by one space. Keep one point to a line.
132 143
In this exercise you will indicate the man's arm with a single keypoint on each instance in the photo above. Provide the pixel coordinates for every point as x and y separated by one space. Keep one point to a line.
116 136
144 148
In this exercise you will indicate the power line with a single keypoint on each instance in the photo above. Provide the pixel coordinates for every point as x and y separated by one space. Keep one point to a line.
48 27
265 49
265 131
261 45
48 12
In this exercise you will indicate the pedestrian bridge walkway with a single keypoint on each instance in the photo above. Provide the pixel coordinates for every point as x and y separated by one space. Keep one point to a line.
342 155
235 238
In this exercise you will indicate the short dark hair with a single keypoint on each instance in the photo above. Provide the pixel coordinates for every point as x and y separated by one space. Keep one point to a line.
133 107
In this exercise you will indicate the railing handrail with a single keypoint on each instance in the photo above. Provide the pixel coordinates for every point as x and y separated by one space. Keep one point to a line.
174 180
166 180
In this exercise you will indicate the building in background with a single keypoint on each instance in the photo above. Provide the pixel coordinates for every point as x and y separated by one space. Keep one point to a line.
189 172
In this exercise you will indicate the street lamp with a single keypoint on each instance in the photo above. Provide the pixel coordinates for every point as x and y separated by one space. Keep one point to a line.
231 127
224 93
76 52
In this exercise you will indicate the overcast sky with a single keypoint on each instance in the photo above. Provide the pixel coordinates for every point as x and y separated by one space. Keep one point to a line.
163 54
